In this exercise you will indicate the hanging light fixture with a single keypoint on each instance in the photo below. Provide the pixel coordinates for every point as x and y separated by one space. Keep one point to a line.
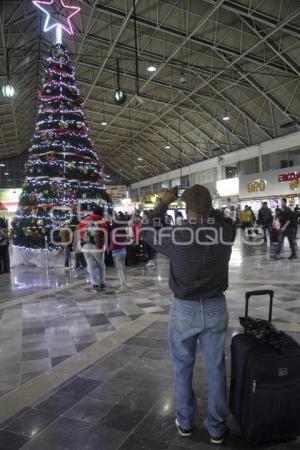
120 96
151 68
226 118
8 90
104 123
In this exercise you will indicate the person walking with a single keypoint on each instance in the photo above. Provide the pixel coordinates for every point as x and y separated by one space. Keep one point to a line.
66 237
92 234
199 253
287 229
4 247
265 219
118 240
147 249
246 220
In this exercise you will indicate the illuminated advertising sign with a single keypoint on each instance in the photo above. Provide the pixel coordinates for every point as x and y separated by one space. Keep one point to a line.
289 176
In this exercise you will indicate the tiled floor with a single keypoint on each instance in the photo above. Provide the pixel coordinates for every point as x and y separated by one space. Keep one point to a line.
124 401
49 320
52 324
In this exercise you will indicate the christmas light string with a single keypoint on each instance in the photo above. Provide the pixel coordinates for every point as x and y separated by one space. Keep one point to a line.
62 159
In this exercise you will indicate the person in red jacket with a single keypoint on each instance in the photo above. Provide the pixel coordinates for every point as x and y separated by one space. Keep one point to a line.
92 232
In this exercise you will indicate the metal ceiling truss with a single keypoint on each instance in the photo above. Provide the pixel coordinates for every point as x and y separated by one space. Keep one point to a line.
254 13
256 88
111 10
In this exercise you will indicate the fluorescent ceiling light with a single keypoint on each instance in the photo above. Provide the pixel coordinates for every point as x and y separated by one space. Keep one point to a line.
151 68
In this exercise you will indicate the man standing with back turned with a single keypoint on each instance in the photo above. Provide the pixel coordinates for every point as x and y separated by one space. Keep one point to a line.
199 251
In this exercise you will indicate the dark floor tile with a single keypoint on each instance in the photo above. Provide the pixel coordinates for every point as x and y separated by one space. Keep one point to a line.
145 305
135 442
127 377
159 325
152 366
33 331
142 341
158 427
124 418
127 352
28 376
31 423
80 387
58 360
90 410
29 324
41 444
156 383
11 441
111 392
57 403
154 333
141 399
100 437
36 354
116 314
199 439
157 354
97 319
135 316
165 405
8 421
65 432
83 346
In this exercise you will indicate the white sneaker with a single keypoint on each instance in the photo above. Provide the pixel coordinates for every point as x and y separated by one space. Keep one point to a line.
150 263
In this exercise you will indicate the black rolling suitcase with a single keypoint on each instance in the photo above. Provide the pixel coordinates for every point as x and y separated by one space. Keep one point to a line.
265 385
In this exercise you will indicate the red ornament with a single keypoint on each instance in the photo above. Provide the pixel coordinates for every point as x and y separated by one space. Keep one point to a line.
51 156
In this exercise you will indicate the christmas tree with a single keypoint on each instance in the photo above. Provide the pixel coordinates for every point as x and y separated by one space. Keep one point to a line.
62 166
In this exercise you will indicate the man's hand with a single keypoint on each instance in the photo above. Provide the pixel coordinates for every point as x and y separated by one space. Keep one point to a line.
169 196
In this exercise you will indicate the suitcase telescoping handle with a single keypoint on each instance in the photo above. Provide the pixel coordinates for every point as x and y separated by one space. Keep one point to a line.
260 292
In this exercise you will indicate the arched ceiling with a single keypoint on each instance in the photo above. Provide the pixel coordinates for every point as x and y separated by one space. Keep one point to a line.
239 58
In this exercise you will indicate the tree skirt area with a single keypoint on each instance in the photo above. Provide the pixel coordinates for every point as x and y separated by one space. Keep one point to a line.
36 257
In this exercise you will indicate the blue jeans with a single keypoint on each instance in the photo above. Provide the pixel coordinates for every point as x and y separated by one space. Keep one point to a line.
95 264
289 233
269 228
148 251
206 321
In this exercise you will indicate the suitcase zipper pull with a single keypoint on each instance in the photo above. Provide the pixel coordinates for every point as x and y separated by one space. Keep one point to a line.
254 386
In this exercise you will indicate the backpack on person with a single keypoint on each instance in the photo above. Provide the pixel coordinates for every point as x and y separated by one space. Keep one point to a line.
93 234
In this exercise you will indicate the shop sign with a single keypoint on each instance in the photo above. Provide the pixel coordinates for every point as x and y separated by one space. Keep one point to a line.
289 176
257 185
